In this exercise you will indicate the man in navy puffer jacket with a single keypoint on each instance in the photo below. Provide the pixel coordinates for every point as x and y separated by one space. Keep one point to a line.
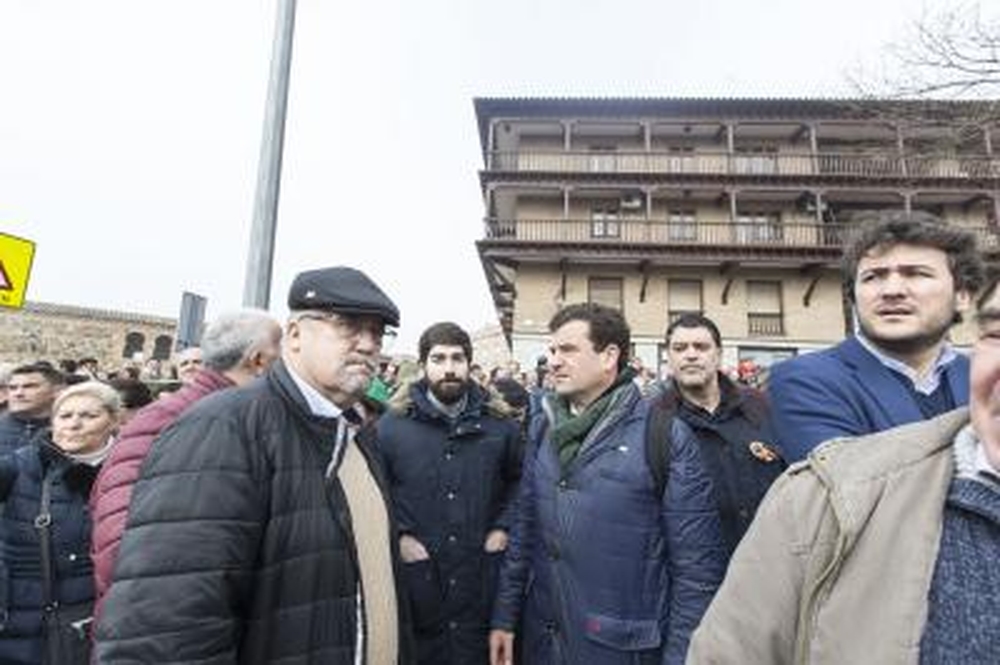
602 567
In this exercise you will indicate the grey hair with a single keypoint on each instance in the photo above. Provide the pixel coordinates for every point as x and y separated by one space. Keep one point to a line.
229 338
108 396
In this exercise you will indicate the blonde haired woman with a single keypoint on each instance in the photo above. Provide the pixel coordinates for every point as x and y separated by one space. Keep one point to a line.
45 569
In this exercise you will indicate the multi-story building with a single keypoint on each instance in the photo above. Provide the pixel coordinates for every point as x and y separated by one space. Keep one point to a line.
734 208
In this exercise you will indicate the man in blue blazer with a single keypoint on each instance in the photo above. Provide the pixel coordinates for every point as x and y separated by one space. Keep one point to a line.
908 276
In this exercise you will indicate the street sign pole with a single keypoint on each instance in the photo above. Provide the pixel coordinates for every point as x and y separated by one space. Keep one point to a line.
260 258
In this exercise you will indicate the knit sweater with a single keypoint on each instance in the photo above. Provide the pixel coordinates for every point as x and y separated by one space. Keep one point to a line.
963 618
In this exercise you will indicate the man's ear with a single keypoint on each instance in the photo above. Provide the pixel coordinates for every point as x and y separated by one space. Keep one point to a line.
963 301
612 353
256 362
293 336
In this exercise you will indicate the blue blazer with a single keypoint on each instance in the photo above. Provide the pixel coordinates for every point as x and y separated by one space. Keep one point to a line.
844 391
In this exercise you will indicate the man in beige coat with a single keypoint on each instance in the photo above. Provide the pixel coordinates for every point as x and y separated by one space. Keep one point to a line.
878 549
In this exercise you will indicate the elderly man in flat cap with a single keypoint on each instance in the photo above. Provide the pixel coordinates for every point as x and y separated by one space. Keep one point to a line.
259 531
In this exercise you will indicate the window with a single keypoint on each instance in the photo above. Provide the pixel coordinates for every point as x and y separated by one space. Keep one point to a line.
756 160
162 346
764 313
758 227
605 291
604 221
683 297
134 341
682 225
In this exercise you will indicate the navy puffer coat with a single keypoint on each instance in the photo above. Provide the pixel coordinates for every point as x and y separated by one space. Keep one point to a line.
21 475
601 568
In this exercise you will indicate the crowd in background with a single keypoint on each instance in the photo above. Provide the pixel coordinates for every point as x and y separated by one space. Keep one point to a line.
296 497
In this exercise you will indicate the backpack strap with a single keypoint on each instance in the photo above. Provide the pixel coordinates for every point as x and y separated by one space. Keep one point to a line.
659 422
43 524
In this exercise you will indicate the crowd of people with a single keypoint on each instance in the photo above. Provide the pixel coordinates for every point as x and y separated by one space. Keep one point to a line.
300 500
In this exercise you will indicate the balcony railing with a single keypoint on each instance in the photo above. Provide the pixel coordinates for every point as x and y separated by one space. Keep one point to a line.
868 165
763 234
765 325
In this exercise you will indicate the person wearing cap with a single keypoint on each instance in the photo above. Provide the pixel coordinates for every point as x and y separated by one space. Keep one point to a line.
259 531
452 453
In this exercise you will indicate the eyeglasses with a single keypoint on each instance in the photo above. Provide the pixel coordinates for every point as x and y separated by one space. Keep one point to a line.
353 326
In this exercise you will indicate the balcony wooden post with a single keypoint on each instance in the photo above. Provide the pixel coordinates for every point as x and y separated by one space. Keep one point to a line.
647 134
565 192
490 144
901 149
819 206
730 145
907 201
567 126
732 206
987 140
814 148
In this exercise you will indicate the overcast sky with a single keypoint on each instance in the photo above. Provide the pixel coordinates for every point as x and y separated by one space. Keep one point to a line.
130 129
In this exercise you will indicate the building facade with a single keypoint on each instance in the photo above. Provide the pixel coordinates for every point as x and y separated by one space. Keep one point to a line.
47 331
734 208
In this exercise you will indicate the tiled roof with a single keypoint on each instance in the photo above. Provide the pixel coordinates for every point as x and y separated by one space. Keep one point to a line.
708 108
54 309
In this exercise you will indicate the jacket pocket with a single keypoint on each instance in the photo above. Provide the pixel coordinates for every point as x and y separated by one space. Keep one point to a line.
423 589
623 634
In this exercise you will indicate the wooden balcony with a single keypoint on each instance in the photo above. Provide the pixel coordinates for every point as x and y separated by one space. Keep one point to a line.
765 325
880 165
699 243
660 232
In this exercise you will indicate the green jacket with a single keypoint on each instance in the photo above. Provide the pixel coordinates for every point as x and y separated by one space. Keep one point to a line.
838 562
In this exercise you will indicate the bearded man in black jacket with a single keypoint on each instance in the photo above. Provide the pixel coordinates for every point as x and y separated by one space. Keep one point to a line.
452 454
259 531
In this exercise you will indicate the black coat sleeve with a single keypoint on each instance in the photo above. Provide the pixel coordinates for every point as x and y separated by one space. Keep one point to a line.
511 474
8 474
185 569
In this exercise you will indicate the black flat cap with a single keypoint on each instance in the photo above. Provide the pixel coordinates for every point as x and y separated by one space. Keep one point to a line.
342 290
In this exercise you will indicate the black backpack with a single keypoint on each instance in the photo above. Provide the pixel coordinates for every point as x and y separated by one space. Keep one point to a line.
658 426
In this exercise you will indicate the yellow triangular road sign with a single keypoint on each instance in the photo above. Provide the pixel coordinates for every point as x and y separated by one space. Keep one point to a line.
16 255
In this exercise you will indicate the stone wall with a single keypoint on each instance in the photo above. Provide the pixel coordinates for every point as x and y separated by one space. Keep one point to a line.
46 331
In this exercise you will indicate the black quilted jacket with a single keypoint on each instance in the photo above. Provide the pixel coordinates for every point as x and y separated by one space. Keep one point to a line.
237 549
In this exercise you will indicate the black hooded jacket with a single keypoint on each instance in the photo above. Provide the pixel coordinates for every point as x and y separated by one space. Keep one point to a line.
452 481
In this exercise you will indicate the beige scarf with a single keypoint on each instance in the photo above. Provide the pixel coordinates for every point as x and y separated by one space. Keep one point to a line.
370 521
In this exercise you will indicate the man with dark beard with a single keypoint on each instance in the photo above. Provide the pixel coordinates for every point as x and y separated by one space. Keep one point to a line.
452 457
908 276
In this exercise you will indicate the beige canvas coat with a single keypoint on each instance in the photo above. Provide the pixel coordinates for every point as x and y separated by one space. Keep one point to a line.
836 567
